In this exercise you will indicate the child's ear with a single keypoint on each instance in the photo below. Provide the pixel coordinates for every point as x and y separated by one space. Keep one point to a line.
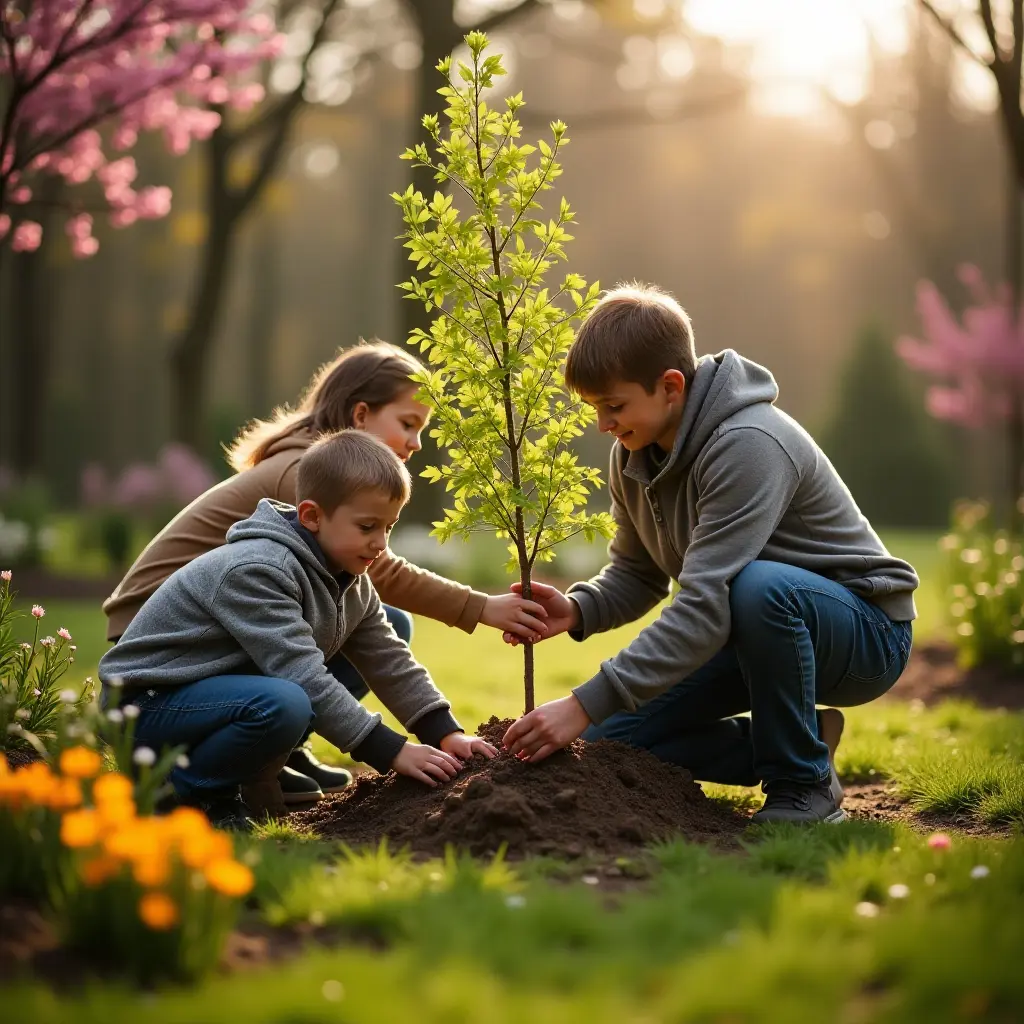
359 411
309 515
675 384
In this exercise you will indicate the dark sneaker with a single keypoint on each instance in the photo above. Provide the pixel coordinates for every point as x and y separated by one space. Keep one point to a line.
297 788
226 812
330 780
800 803
831 732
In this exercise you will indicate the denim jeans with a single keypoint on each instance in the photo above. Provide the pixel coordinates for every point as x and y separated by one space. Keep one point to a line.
233 726
797 639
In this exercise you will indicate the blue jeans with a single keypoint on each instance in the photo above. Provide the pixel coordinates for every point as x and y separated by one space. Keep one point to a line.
797 639
233 726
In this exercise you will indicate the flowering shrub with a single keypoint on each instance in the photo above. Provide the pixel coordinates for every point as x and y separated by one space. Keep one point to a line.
157 895
32 701
142 496
986 588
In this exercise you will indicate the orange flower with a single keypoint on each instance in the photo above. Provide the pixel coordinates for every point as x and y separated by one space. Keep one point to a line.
80 762
186 821
66 794
37 782
115 814
158 911
153 870
79 829
112 787
229 877
99 870
200 849
133 840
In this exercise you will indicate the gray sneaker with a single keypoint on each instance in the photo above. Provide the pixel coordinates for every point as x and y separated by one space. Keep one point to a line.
800 803
831 732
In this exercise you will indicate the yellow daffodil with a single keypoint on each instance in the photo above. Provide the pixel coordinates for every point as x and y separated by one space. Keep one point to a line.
79 829
153 870
158 911
228 877
112 787
200 849
99 870
80 763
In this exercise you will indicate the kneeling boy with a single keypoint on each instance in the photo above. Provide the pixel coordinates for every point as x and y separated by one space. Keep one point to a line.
228 656
787 597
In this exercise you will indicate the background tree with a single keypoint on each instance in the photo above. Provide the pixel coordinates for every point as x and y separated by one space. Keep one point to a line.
239 159
882 442
69 70
497 347
1003 32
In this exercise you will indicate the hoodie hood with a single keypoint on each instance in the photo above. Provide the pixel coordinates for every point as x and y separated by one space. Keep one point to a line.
723 385
271 521
299 441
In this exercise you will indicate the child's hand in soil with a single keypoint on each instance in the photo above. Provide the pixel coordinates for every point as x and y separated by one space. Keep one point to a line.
546 729
562 612
427 764
515 616
459 745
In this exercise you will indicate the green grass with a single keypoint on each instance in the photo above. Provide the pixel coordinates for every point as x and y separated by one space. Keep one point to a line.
777 935
770 933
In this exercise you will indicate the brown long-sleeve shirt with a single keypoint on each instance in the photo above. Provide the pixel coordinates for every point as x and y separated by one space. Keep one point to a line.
203 524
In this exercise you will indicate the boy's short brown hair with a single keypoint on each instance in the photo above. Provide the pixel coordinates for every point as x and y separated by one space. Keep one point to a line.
635 333
337 467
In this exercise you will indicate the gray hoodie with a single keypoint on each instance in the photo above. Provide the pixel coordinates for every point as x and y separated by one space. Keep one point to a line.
267 603
743 482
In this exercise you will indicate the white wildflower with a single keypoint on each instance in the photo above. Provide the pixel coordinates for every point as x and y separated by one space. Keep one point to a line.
144 756
866 909
68 696
899 891
979 871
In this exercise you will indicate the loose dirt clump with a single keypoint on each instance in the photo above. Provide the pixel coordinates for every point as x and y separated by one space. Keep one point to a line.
603 797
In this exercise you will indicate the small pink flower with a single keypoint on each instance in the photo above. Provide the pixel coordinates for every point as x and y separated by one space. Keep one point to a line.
47 641
6 575
939 841
37 692
64 633
38 611
26 647
28 236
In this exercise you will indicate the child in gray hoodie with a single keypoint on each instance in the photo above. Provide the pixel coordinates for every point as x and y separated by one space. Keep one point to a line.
786 596
228 656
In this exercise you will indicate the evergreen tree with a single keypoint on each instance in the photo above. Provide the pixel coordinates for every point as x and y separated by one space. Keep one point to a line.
888 450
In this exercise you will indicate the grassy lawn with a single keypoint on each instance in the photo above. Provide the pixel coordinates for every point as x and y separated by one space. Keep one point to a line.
857 922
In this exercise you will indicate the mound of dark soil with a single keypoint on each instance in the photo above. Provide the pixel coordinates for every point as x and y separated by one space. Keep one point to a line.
591 797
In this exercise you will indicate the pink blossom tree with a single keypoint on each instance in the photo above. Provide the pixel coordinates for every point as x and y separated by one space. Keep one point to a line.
977 362
80 79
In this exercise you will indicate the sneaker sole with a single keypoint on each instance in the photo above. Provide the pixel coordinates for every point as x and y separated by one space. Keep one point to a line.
291 799
832 725
836 817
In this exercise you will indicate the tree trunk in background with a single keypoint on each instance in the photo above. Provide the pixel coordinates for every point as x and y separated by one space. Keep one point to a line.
190 351
32 304
264 309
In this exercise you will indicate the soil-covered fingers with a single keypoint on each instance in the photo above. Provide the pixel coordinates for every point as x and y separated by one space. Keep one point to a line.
545 751
479 746
440 769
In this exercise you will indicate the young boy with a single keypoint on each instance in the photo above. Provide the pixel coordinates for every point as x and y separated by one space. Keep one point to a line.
228 656
787 597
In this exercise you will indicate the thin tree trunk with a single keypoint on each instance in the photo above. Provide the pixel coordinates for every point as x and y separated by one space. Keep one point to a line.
190 353
1015 424
32 303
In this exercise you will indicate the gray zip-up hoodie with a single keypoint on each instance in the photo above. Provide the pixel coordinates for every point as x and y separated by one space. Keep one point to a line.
267 602
743 481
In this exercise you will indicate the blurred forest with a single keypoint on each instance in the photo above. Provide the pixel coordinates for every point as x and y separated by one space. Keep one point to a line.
792 218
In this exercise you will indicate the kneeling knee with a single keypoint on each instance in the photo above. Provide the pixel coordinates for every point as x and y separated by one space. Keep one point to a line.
289 711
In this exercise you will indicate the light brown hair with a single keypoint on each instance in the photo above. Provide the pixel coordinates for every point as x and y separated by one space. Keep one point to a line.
635 333
337 467
376 373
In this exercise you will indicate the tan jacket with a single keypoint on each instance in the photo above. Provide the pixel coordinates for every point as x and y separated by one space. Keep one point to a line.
203 525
